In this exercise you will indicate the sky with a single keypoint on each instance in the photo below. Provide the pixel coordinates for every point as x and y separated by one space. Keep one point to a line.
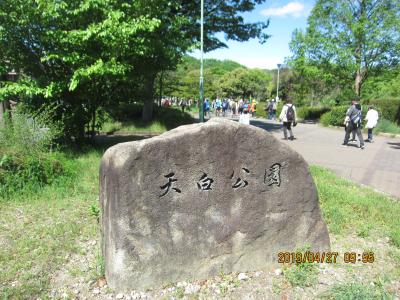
285 16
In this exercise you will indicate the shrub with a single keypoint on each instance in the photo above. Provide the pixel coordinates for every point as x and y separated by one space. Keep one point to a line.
19 172
387 126
335 117
25 159
260 110
388 108
311 113
301 274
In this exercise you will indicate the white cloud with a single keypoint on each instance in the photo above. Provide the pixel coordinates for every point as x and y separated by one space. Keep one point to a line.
295 9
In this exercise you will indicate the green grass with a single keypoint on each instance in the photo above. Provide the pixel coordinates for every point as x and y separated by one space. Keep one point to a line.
128 119
387 127
350 208
39 230
303 274
357 291
134 127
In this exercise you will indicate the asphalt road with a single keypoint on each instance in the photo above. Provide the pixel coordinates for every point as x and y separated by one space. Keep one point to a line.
377 166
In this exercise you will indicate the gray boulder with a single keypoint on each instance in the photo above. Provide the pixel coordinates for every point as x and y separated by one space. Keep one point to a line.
204 198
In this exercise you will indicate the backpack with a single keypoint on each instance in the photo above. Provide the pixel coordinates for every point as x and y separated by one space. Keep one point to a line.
290 113
355 119
225 105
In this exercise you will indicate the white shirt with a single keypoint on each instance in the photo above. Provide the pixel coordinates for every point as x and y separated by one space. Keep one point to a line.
282 116
371 118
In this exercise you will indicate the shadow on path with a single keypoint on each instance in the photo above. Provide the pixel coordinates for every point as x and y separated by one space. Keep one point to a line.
394 145
272 127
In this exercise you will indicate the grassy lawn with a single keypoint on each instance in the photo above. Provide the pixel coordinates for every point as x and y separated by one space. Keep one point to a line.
351 209
40 232
387 127
134 127
128 120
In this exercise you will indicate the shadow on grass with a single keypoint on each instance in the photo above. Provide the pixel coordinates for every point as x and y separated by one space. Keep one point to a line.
168 117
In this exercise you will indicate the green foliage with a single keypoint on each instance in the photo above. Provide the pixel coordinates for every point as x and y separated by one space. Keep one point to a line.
302 274
388 108
28 173
347 206
245 83
355 291
86 55
25 161
30 133
335 117
260 111
184 81
311 113
41 230
345 43
387 127
95 211
125 117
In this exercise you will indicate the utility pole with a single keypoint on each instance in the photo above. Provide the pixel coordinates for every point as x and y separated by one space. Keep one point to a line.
277 84
201 108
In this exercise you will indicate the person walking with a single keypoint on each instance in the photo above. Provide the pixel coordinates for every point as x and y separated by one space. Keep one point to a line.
372 119
354 123
183 105
288 117
225 107
274 109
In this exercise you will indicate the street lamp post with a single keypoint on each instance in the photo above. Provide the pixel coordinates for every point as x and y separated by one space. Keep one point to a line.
201 110
277 84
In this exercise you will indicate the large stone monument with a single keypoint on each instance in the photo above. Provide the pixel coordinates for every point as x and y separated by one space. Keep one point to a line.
204 198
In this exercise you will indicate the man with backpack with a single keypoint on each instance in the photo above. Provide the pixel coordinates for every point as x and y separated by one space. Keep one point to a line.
354 123
288 117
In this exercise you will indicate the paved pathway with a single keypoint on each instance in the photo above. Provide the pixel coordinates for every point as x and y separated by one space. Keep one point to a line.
378 165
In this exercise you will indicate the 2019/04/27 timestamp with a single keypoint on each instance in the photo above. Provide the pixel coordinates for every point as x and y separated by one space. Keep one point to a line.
325 257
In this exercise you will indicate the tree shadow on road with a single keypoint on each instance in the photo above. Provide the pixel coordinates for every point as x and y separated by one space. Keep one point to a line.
394 145
271 127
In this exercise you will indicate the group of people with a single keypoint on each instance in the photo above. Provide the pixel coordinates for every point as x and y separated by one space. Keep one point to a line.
353 121
288 116
229 107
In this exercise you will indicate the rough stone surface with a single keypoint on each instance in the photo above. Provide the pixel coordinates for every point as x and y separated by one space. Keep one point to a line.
262 201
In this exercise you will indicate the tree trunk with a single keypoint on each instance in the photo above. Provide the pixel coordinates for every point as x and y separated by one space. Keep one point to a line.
358 83
93 129
161 88
147 113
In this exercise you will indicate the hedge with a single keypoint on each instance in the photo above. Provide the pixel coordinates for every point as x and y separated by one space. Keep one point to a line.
336 116
388 108
311 112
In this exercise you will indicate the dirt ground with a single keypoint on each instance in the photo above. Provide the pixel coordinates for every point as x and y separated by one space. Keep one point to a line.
78 280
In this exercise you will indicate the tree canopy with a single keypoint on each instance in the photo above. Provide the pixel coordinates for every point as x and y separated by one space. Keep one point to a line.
87 55
345 41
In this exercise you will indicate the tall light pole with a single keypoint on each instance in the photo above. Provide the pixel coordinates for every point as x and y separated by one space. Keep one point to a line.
201 111
277 84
